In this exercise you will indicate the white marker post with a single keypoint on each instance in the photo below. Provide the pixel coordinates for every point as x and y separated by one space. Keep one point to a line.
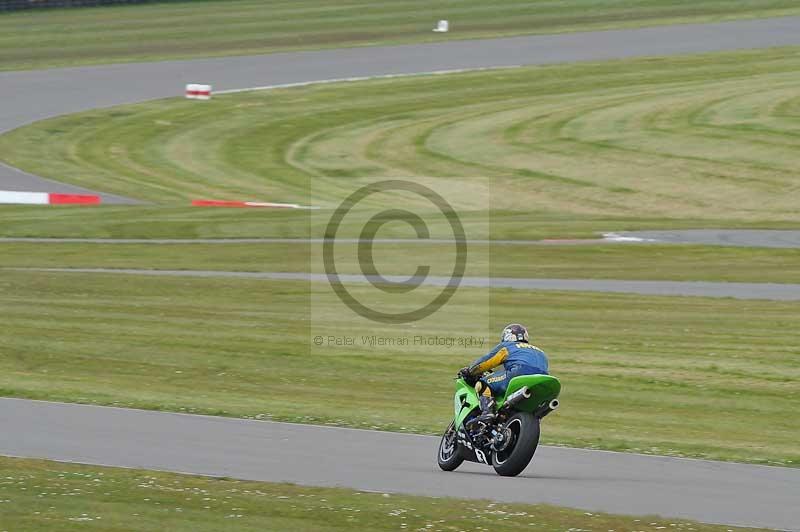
198 92
442 27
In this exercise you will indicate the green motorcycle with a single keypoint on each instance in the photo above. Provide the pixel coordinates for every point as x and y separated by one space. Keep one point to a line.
507 442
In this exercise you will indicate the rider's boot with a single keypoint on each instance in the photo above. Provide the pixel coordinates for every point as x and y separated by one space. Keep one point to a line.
487 409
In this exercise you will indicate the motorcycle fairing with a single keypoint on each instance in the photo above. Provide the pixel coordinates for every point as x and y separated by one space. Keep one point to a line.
544 388
466 400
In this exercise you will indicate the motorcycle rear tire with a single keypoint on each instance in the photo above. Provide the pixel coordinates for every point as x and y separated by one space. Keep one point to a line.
526 432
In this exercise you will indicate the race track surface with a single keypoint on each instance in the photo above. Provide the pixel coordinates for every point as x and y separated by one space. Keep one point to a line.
770 291
404 241
15 179
715 492
759 238
27 96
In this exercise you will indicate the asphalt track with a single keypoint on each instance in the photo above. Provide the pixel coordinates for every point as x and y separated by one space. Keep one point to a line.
759 238
768 291
27 96
403 241
728 493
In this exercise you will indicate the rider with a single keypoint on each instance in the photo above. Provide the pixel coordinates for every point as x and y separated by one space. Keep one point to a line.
518 357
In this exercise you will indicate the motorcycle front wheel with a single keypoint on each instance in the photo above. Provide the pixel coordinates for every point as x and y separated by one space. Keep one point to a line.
449 450
524 431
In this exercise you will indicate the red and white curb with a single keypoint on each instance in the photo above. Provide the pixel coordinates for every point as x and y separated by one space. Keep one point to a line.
263 204
10 197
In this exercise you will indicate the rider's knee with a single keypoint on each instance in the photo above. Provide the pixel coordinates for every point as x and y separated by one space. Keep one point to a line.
482 388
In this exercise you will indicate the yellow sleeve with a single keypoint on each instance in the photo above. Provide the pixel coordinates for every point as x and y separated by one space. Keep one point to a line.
494 361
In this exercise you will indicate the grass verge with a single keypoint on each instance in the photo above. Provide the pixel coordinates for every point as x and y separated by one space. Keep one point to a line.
47 38
707 137
603 261
711 378
168 221
38 495
709 140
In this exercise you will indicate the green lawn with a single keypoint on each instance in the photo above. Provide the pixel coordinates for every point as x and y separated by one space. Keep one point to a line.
561 151
46 38
170 221
711 378
38 495
709 137
603 261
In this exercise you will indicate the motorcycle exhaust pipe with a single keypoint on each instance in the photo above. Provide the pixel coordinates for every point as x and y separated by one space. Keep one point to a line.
546 409
518 396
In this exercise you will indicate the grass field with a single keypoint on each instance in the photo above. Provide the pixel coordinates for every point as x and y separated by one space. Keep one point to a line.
603 261
169 221
36 39
37 495
711 378
565 151
562 151
710 137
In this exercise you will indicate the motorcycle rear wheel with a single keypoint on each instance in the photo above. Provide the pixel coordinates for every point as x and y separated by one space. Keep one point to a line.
450 456
512 461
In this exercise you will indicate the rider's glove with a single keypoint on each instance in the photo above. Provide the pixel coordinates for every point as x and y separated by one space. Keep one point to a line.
467 375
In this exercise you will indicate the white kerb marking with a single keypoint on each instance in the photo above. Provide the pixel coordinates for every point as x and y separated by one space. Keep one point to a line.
364 78
24 198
